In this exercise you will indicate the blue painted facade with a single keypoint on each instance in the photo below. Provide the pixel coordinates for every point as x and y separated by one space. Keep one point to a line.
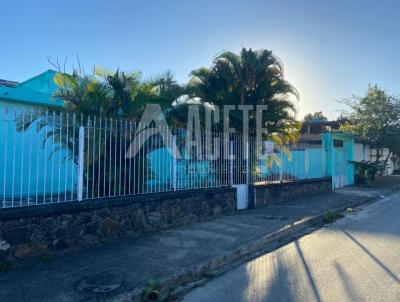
28 163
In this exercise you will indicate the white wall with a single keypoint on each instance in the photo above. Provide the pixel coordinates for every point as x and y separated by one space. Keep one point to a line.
365 153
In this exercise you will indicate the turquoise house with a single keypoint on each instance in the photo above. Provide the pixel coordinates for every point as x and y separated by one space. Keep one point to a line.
37 90
27 163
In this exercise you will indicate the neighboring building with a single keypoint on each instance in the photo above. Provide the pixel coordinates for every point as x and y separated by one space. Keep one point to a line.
311 131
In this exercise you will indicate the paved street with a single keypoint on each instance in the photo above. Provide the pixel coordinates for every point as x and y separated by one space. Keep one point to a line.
163 254
355 259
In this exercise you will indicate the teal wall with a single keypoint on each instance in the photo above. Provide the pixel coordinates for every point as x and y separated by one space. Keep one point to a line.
338 159
300 166
27 163
203 173
189 174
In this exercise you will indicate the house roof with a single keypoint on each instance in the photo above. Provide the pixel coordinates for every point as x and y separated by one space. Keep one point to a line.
8 83
38 90
317 122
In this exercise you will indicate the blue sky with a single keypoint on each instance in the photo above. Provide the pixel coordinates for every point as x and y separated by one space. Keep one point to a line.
330 49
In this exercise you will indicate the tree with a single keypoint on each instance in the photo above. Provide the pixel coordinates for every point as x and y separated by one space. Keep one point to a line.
249 78
253 77
374 119
115 94
315 116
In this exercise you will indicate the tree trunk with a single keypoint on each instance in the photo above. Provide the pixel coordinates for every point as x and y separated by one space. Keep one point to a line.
386 161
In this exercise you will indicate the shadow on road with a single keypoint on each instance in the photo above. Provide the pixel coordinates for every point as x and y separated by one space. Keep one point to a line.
373 257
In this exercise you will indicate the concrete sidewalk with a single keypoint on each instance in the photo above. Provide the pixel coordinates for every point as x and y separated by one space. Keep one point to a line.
129 265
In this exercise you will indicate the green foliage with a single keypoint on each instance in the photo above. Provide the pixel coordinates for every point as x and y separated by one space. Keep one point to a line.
115 95
367 171
150 293
374 119
5 265
315 116
331 216
249 78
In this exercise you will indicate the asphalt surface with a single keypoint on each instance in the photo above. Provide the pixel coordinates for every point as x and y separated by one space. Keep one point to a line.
357 258
160 255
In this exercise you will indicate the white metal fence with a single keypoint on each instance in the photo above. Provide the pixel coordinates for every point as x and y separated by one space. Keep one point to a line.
49 158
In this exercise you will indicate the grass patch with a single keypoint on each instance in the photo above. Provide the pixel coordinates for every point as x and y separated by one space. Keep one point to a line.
5 266
150 293
331 216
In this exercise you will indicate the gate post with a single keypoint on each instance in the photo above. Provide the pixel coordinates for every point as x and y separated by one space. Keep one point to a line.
231 163
81 151
247 163
174 155
281 165
306 162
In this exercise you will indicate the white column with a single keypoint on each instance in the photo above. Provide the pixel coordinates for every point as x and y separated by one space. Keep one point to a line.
81 162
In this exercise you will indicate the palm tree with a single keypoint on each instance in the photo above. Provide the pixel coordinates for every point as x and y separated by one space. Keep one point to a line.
250 78
253 77
110 101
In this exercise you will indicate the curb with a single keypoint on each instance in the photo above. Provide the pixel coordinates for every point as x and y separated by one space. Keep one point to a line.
197 272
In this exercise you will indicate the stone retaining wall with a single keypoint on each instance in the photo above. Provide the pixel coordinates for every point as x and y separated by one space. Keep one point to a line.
264 194
42 230
47 229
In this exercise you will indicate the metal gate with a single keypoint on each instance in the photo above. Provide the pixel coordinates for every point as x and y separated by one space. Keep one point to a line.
239 169
340 162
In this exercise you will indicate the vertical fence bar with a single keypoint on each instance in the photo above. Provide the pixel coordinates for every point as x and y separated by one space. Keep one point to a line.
130 156
93 153
66 166
60 121
5 157
30 159
281 165
87 156
110 159
139 161
98 183
52 156
22 159
115 157
13 163
174 187
134 162
73 155
247 163
81 162
120 158
105 158
124 154
306 162
231 163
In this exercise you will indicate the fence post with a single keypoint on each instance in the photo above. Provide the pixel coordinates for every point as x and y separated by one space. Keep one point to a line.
281 165
174 155
247 163
231 163
81 162
306 162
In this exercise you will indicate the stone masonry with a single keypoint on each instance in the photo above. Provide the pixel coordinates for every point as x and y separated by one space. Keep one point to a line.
44 230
